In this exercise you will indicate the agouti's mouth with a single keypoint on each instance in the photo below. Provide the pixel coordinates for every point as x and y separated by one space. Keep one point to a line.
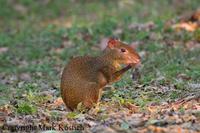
135 61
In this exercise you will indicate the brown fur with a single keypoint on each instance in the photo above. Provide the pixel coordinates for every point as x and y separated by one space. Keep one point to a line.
84 77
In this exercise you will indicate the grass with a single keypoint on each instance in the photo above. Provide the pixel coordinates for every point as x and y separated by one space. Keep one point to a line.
29 33
26 108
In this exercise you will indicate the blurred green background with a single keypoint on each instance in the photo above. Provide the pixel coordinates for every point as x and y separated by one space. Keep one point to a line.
37 38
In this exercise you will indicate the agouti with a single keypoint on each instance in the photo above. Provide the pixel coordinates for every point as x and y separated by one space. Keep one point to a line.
84 77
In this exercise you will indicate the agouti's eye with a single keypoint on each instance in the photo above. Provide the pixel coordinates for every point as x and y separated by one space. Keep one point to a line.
123 50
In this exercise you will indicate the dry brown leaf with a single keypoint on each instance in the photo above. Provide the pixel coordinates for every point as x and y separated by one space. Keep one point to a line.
156 129
58 101
183 76
196 16
191 45
189 22
132 107
153 109
6 109
188 26
188 117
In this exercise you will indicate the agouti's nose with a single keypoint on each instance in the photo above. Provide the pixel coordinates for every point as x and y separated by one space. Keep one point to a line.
137 61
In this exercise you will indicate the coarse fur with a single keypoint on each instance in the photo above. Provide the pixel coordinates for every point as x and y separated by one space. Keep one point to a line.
84 77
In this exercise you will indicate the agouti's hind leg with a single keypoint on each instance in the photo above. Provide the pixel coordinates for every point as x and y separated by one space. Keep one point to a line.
93 95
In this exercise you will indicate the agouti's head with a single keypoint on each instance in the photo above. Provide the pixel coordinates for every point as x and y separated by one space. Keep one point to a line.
122 53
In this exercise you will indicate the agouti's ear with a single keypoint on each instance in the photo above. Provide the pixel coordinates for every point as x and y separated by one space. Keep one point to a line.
112 43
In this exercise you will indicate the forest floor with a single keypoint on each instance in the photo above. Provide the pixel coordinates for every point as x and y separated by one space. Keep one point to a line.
37 39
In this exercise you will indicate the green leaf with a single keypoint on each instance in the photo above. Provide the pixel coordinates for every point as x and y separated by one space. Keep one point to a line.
73 115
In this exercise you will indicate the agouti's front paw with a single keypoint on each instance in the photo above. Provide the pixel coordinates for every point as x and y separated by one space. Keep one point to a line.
135 65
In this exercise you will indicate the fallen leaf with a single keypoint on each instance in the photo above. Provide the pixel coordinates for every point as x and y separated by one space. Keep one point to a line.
3 50
152 109
195 16
156 129
58 102
191 45
188 26
189 22
183 76
132 107
25 77
6 109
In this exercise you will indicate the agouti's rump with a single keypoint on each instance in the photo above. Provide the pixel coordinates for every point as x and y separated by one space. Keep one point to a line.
81 86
